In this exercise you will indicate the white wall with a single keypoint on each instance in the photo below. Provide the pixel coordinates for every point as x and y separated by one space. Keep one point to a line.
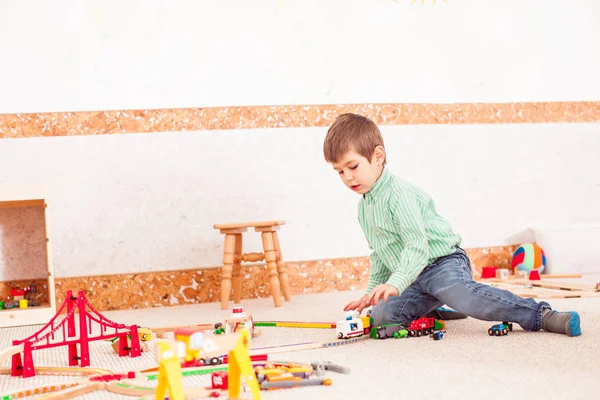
127 203
69 55
124 203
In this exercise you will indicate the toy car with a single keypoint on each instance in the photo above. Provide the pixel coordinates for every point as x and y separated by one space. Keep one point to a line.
437 335
385 331
500 329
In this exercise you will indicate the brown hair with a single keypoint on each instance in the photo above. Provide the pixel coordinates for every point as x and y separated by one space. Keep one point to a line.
351 132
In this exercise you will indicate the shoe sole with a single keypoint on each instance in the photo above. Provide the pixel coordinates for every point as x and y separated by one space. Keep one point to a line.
574 325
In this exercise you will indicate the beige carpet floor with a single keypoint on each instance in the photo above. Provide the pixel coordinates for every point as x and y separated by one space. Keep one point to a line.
466 364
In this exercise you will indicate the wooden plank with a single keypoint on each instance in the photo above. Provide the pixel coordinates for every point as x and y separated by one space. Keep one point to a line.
549 276
49 265
543 279
537 292
543 284
22 203
286 348
174 328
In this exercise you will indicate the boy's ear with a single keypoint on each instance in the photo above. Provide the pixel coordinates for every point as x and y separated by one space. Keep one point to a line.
379 155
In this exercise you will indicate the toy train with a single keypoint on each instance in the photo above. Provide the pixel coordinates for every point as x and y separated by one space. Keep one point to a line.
419 327
189 352
353 325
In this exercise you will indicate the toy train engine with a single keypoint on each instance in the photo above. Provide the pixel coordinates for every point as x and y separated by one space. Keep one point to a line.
421 326
351 326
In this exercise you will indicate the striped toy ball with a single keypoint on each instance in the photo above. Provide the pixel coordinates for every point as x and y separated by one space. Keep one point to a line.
528 257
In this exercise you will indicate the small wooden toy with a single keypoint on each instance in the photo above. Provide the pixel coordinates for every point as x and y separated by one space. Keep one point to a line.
534 275
386 331
219 328
437 335
145 335
500 329
290 382
401 334
349 327
193 344
488 272
32 294
353 325
419 327
239 317
170 379
219 380
502 273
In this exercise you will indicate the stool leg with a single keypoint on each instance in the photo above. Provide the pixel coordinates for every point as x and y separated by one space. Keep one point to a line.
281 269
269 248
237 270
228 258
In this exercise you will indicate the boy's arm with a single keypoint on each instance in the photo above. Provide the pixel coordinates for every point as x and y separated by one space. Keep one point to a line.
378 273
407 215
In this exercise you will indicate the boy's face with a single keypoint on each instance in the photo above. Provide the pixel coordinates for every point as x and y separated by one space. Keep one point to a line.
357 172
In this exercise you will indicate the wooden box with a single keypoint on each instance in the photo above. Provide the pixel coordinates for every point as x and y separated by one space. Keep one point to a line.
15 197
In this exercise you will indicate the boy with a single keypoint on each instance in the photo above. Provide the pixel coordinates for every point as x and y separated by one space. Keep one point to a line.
417 264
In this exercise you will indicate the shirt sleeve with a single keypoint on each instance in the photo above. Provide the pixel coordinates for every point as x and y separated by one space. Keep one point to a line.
378 273
408 219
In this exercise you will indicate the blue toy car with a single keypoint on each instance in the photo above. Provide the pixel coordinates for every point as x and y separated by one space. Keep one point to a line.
500 329
437 335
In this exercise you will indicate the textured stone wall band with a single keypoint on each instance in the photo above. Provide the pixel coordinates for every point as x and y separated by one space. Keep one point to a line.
293 116
167 288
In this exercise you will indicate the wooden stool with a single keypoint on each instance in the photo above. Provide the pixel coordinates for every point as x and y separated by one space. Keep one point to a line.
233 257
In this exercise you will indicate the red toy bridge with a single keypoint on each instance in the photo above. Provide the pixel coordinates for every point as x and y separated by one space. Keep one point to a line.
72 336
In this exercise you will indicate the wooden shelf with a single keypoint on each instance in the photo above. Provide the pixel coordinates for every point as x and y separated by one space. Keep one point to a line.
30 196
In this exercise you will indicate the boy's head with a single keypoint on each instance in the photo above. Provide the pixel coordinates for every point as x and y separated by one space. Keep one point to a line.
354 147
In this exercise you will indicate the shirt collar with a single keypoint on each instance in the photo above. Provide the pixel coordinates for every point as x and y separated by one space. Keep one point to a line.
379 185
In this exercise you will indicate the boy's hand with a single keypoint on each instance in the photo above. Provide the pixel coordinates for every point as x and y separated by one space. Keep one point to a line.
357 305
379 291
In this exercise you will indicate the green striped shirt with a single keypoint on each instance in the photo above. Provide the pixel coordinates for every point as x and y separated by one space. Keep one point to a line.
403 230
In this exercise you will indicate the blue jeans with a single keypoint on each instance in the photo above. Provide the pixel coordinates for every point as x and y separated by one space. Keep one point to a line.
448 280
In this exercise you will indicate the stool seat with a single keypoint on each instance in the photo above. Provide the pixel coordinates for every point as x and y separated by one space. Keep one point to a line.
260 224
233 256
